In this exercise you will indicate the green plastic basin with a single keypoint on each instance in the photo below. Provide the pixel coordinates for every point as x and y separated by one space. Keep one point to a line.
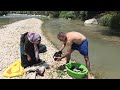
77 75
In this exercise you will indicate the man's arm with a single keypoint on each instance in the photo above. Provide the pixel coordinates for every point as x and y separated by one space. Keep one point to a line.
62 47
69 50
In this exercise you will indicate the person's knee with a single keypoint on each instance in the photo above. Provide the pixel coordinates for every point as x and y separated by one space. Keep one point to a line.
42 48
86 58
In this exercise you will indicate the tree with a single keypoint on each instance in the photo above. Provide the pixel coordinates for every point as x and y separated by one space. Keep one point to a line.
3 12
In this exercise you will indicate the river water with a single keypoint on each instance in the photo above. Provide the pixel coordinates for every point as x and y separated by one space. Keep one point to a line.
104 55
10 18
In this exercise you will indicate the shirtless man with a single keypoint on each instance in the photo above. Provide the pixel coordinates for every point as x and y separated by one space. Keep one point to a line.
74 41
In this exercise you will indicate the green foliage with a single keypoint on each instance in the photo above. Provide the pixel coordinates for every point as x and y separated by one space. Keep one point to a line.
111 19
67 14
105 20
115 22
83 15
60 73
3 12
54 14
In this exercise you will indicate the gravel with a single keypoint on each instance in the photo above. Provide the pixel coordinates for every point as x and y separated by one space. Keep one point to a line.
10 49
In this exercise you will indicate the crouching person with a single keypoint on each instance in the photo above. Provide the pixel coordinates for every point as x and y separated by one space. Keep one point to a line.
29 48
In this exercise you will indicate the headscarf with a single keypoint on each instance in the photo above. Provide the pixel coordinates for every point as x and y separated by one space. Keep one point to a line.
32 37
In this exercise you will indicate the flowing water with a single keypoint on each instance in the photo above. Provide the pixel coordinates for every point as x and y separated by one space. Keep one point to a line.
104 54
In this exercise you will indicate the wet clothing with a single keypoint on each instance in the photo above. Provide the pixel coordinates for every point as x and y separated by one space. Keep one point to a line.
82 48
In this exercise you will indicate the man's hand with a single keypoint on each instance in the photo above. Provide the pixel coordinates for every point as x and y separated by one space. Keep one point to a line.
57 55
60 52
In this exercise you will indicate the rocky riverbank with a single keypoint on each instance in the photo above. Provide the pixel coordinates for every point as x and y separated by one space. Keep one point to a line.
10 49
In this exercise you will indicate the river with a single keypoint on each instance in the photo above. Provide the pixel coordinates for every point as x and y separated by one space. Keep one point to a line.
104 54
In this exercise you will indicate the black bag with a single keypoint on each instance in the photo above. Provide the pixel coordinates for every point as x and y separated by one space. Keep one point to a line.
57 54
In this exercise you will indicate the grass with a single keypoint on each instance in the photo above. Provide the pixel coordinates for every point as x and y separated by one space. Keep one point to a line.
60 73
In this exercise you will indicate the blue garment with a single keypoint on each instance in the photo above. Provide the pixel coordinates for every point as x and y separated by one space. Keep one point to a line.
82 48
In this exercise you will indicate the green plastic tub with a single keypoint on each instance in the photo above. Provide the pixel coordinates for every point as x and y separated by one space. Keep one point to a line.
77 75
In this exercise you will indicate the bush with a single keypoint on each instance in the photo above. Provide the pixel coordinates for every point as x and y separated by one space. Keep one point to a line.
83 15
54 14
67 14
105 20
111 20
3 12
115 22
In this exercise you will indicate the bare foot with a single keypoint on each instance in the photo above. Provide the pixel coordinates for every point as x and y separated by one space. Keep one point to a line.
90 77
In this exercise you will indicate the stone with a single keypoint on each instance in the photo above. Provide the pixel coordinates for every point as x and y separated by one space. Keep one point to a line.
90 22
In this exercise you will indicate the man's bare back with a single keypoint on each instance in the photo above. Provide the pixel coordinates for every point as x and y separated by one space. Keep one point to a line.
75 37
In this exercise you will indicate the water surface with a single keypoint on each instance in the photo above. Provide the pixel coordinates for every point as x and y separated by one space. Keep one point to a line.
104 55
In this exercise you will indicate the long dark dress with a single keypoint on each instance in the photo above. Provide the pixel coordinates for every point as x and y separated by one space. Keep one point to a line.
26 47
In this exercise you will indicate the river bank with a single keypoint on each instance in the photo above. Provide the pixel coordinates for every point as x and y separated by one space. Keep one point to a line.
10 49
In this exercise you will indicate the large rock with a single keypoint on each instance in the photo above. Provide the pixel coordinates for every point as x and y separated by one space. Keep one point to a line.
90 22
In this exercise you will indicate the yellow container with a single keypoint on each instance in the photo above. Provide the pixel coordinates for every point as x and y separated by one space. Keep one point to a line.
14 70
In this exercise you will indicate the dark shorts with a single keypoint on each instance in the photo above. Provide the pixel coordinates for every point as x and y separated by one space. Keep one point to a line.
82 48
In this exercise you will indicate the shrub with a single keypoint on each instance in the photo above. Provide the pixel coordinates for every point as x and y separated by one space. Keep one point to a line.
3 12
115 22
54 14
83 15
67 14
112 20
105 20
